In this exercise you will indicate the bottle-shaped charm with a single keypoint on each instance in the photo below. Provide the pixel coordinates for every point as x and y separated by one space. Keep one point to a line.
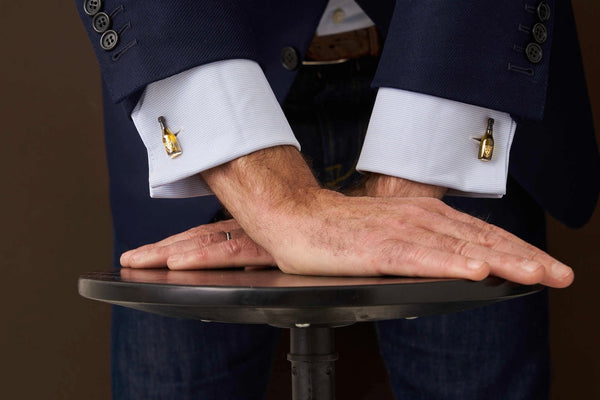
486 143
169 139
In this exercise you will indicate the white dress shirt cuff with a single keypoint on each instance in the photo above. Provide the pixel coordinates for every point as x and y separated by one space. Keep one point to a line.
223 110
432 140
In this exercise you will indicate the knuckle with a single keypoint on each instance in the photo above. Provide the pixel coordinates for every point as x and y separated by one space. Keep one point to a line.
192 233
419 254
164 251
447 261
199 241
200 254
461 247
415 210
232 247
387 254
203 240
488 237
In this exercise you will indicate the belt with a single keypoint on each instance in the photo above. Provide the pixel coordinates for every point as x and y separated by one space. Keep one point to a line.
341 47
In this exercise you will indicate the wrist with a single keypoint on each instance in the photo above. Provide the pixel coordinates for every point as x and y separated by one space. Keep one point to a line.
378 185
265 190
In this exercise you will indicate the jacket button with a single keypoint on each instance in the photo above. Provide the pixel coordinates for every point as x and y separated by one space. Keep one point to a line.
109 40
91 7
101 22
540 33
543 11
533 51
289 58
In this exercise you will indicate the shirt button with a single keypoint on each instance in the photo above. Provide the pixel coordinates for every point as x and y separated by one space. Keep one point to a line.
289 58
540 33
543 11
91 7
101 22
109 40
338 16
533 51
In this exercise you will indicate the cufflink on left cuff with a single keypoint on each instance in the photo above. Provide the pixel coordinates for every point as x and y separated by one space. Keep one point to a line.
169 139
486 142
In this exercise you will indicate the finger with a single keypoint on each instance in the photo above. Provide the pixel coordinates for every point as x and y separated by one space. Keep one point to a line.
238 252
410 259
555 273
521 268
507 266
156 257
221 226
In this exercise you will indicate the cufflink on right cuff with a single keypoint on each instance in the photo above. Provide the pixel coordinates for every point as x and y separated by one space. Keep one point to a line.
486 142
169 139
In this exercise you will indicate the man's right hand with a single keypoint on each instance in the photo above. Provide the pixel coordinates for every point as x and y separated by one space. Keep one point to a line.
285 215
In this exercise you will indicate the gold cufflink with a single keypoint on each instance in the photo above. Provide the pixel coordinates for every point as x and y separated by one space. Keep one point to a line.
486 142
169 139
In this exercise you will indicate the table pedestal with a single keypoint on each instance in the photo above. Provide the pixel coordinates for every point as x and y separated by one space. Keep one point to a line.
312 354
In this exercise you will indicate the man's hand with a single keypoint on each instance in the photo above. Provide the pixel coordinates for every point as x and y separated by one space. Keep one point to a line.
209 247
205 246
304 229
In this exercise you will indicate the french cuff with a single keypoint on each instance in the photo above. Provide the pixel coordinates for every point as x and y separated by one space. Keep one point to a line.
432 140
221 111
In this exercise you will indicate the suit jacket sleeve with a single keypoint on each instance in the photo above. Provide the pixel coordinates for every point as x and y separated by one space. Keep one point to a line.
158 39
469 51
475 52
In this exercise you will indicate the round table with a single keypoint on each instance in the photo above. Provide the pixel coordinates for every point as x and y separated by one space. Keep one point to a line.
310 306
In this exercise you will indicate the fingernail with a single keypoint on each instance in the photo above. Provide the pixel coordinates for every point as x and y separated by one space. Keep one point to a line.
560 270
530 266
475 264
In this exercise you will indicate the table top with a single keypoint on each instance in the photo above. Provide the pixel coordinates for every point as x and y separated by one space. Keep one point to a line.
271 297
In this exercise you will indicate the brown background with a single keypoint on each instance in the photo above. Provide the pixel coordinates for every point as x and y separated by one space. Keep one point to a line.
56 222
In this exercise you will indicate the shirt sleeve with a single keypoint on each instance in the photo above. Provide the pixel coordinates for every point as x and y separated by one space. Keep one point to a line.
433 140
221 111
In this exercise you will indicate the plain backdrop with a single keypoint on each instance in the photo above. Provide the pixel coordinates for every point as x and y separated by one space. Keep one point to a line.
56 225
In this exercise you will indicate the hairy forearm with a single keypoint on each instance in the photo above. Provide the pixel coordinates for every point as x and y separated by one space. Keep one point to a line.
264 188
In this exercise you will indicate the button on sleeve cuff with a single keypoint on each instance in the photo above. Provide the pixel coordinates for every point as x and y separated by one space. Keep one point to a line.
432 140
223 110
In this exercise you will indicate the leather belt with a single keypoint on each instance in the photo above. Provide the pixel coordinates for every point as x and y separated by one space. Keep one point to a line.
341 47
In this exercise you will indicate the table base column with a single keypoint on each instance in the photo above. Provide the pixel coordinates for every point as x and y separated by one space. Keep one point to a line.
312 354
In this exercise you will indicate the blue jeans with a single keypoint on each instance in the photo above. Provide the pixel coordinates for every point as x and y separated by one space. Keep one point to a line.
495 352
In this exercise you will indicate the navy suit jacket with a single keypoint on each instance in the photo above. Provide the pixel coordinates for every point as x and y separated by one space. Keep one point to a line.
470 51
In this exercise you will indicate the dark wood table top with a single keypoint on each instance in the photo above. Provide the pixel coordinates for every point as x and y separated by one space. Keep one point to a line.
271 297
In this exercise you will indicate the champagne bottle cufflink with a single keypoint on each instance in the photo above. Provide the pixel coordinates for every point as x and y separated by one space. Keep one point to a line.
486 142
169 139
